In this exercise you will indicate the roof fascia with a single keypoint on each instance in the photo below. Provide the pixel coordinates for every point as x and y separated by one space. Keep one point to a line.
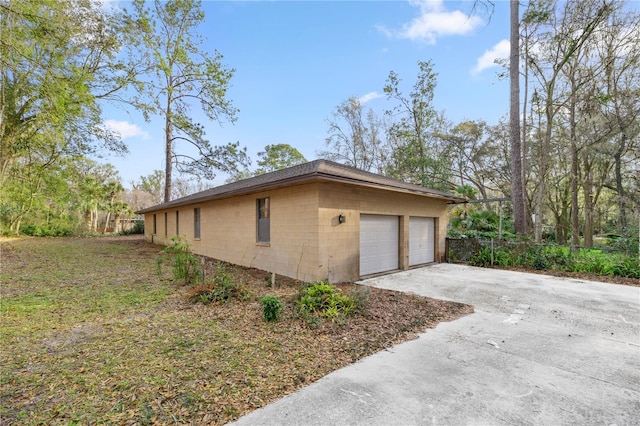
315 176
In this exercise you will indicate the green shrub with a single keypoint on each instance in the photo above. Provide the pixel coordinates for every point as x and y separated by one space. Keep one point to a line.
627 241
559 258
323 300
484 258
502 257
48 230
590 261
185 265
221 288
271 308
137 229
202 293
623 266
539 262
481 258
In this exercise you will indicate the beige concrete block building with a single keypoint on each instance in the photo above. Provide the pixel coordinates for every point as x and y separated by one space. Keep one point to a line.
315 221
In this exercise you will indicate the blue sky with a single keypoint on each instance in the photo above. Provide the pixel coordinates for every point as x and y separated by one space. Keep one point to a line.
296 61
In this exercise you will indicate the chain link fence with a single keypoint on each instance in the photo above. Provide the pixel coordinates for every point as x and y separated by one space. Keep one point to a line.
461 250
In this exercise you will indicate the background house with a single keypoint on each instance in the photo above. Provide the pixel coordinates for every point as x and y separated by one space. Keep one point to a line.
315 221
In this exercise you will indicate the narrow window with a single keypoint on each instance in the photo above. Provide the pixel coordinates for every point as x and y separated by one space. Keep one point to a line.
177 222
196 223
165 224
263 219
155 223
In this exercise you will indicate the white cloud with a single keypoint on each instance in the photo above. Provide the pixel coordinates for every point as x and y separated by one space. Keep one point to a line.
125 129
488 58
369 97
434 22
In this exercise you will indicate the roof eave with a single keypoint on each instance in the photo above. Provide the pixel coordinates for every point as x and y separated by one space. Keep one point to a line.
297 180
227 194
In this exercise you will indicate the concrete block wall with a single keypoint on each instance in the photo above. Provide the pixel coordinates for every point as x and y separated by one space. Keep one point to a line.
228 231
307 241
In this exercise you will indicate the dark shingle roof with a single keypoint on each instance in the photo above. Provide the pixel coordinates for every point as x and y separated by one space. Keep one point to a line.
313 170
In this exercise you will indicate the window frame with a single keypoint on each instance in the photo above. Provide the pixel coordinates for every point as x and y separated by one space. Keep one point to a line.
166 224
177 222
197 219
263 220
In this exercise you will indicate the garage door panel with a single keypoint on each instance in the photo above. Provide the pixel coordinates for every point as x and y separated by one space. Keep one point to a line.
421 240
378 243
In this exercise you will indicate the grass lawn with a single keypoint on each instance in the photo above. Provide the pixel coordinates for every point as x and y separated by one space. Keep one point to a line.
90 333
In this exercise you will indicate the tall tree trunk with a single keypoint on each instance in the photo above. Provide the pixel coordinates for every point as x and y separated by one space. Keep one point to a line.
87 220
517 184
575 225
15 224
168 153
622 196
524 131
117 227
94 220
587 187
106 223
541 189
559 204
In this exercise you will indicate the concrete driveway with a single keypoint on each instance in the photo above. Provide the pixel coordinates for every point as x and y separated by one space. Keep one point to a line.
538 350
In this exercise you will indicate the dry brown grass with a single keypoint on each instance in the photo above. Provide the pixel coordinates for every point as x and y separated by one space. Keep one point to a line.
91 333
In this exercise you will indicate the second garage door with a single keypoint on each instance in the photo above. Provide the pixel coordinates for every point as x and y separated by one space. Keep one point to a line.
421 240
379 241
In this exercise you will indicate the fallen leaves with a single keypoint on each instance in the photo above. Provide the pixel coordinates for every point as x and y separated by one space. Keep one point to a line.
101 338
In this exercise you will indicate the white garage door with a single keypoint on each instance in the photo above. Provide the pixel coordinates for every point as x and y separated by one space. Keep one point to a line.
378 243
421 240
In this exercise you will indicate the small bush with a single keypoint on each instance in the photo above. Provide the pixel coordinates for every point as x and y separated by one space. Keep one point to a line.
540 262
221 288
627 241
138 228
559 258
48 230
323 300
589 261
623 267
185 265
484 258
481 258
271 308
502 257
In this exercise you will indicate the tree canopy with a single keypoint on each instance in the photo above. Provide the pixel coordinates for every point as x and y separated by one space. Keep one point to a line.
58 62
575 159
61 62
183 76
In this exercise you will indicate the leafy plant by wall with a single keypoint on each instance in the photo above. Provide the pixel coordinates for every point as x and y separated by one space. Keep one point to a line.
185 266
220 288
271 308
320 300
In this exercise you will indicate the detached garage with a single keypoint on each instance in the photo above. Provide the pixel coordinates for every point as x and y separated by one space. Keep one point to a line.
316 221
